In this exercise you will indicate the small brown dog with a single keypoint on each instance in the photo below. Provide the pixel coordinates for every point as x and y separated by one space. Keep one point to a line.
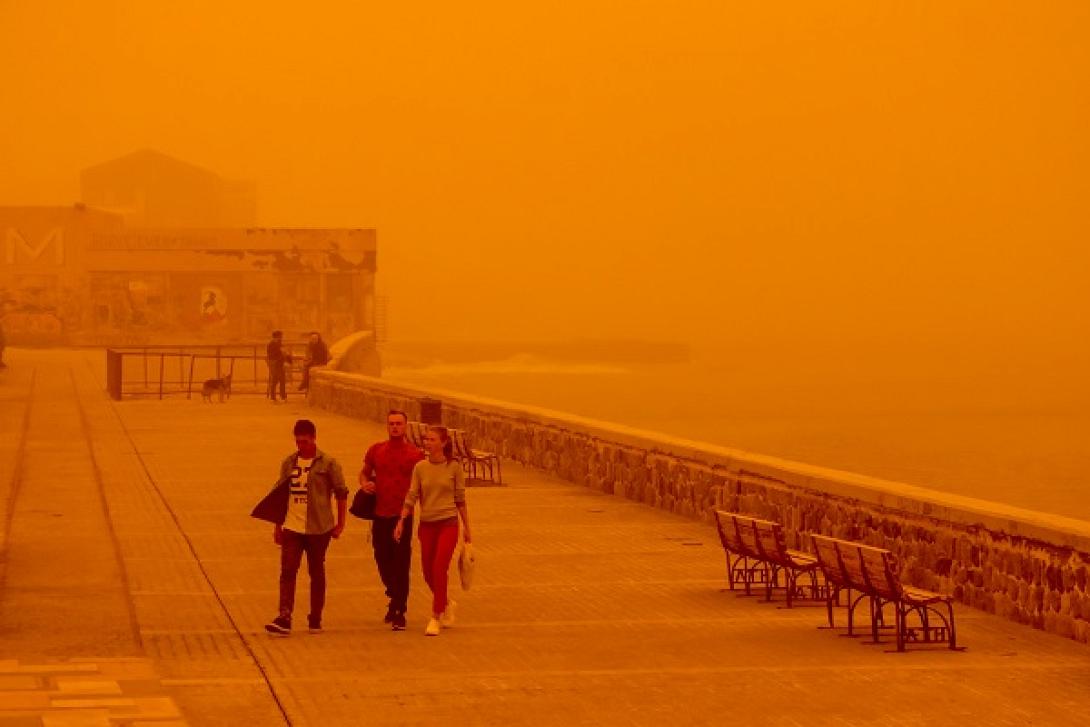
221 387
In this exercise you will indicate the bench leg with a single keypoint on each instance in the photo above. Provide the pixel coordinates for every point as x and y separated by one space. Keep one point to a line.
852 604
833 593
950 625
875 615
771 582
901 617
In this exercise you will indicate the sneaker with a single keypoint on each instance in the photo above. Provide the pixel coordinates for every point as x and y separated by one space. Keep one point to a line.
314 625
279 625
398 622
389 617
447 617
433 628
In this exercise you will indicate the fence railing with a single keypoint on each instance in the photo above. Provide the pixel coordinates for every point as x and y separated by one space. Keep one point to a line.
160 371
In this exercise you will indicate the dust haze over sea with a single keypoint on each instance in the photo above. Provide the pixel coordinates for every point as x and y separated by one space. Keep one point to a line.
1012 431
868 220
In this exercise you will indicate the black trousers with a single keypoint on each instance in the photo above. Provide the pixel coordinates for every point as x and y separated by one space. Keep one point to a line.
291 555
393 559
276 378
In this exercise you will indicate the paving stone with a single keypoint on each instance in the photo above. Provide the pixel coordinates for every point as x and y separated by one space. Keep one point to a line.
67 687
19 682
21 700
77 718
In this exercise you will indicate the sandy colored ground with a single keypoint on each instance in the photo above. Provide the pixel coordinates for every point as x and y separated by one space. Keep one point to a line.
126 540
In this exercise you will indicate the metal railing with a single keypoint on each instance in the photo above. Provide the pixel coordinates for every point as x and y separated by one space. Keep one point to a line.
160 371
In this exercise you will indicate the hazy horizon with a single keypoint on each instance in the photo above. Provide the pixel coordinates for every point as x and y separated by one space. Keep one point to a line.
851 178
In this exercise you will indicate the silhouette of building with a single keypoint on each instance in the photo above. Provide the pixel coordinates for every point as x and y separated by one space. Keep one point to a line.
150 189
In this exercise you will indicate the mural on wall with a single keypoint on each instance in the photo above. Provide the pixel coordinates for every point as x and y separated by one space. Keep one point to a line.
79 276
31 310
33 328
213 304
300 302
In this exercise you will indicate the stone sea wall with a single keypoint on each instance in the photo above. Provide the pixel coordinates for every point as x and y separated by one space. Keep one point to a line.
1023 565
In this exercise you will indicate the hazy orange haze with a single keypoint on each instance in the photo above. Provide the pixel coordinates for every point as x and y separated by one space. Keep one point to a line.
862 173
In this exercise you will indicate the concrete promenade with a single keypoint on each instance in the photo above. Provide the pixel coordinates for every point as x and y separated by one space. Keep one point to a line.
134 588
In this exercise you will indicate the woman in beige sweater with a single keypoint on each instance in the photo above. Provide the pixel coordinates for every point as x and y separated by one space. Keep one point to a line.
439 486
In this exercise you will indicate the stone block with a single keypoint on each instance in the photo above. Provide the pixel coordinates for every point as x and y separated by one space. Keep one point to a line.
1064 625
1084 605
1003 605
1037 597
976 575
1024 598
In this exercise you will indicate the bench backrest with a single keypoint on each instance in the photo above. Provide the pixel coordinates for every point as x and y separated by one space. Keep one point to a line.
728 534
771 540
752 537
861 567
828 557
881 571
459 442
416 430
748 535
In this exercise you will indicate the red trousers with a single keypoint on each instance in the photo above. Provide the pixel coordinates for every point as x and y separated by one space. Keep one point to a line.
437 543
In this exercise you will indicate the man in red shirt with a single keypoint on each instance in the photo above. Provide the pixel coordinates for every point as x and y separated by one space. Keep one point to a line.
387 471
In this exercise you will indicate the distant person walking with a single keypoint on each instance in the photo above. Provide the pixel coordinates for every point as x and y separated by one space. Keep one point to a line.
439 486
276 359
387 472
317 355
311 480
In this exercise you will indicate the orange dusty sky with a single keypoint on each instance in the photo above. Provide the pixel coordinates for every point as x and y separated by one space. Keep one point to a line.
915 175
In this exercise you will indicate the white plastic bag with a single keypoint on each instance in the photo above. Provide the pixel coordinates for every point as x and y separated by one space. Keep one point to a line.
467 563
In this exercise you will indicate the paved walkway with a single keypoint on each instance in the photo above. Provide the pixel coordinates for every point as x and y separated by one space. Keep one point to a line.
589 609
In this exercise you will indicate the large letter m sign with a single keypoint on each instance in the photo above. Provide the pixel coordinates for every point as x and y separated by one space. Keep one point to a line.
15 241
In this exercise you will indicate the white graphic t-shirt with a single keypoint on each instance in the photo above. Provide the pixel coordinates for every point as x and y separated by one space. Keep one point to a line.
296 520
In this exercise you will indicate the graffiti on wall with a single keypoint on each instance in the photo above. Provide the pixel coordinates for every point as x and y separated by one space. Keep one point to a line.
213 305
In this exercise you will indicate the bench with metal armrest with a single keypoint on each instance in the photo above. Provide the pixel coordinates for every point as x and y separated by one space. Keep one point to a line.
472 459
757 553
874 573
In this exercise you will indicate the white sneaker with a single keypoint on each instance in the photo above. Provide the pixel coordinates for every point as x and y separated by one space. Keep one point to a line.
447 617
432 628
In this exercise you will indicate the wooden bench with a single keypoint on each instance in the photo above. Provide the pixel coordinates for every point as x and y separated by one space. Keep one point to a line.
471 458
757 552
772 545
740 570
875 574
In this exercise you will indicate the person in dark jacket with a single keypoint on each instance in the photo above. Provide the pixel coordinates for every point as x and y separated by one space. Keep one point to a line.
317 355
313 481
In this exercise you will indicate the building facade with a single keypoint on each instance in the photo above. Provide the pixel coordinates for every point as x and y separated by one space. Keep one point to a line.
77 275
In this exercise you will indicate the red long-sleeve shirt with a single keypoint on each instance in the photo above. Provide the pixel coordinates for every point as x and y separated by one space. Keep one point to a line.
390 464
